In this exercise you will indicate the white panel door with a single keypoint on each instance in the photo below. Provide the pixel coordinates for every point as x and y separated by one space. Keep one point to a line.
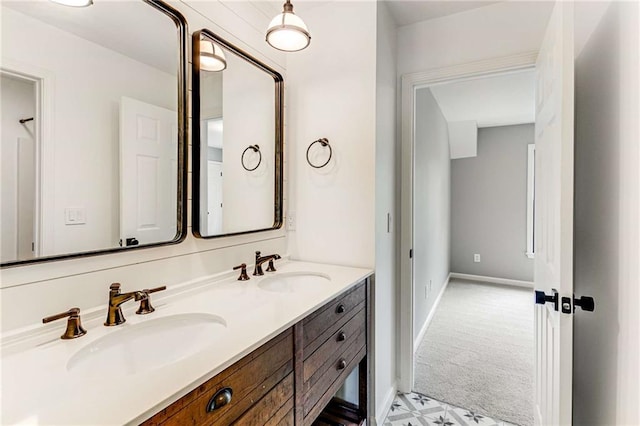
554 219
214 199
148 172
26 198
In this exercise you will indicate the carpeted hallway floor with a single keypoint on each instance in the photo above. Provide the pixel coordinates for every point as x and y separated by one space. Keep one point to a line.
478 351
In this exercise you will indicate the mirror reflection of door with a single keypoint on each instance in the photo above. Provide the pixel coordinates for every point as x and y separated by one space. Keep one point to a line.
18 162
212 131
148 169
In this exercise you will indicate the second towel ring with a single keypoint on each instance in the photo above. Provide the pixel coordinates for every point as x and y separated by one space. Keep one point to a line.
255 148
324 142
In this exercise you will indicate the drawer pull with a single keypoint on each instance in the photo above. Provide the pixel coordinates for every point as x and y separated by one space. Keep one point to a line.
220 399
341 336
342 364
340 309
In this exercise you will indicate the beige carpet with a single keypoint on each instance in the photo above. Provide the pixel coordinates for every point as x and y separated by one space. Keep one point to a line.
478 351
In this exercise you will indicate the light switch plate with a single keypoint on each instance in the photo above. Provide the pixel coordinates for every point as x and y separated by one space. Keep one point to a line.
476 258
291 222
75 216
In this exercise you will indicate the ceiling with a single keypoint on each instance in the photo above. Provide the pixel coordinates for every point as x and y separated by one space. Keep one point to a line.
407 12
133 29
501 100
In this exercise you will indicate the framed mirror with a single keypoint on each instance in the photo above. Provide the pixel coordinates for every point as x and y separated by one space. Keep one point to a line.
93 128
237 140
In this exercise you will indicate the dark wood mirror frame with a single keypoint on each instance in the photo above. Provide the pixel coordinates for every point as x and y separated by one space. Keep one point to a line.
183 148
196 148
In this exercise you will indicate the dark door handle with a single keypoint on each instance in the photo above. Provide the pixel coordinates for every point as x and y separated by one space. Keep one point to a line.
586 303
542 298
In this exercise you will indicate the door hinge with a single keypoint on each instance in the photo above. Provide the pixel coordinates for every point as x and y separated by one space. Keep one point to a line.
33 246
410 253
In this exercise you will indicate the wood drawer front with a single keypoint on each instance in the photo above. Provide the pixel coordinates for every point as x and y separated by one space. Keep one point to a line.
323 358
321 324
273 408
325 382
251 378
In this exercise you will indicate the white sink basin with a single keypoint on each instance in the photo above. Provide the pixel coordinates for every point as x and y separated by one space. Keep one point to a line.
136 348
290 282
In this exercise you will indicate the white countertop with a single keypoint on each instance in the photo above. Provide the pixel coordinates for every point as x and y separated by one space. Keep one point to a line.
37 388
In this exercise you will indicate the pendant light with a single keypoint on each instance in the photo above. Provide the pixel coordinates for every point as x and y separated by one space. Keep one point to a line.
74 3
287 31
211 56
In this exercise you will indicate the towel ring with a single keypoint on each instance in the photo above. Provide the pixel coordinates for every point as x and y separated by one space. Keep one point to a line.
323 142
255 148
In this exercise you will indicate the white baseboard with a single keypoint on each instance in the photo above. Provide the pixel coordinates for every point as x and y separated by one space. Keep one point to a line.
423 330
493 280
383 410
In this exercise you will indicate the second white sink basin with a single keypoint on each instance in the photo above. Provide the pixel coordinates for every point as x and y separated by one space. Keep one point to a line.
290 282
148 345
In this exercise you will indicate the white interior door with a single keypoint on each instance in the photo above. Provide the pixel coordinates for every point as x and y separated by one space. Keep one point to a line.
148 172
26 198
214 200
554 220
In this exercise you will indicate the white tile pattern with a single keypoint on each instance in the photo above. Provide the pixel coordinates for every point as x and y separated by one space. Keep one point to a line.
414 409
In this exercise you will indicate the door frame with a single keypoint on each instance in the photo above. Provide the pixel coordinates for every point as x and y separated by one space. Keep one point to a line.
44 82
410 84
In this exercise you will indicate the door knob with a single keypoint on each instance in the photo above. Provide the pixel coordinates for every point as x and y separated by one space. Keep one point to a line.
586 303
542 298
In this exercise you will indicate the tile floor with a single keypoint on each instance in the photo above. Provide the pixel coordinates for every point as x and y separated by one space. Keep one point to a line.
414 409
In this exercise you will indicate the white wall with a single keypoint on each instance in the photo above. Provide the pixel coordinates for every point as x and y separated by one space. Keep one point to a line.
489 205
500 29
84 169
18 102
28 293
607 190
386 201
331 93
432 194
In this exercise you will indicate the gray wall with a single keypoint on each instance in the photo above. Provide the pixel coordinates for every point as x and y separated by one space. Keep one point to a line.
606 351
432 189
489 205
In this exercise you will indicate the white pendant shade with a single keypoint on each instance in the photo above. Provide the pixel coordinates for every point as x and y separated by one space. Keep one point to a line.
211 57
74 3
288 32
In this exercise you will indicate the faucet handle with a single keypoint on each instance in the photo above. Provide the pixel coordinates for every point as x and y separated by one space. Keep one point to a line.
145 300
243 271
74 326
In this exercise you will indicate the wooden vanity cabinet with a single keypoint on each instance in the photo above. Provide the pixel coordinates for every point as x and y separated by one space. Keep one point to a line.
292 379
261 386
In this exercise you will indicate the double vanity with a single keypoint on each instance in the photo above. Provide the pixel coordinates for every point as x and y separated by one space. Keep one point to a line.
152 120
273 350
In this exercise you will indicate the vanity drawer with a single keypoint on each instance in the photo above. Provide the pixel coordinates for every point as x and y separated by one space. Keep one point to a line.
323 358
325 383
264 373
320 325
328 368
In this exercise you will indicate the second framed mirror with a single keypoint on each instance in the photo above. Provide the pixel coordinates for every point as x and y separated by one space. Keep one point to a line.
237 140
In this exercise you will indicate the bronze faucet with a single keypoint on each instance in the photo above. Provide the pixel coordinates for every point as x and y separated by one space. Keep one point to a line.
257 270
74 326
243 272
115 315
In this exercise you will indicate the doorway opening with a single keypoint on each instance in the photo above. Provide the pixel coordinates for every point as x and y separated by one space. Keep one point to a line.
19 156
473 273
